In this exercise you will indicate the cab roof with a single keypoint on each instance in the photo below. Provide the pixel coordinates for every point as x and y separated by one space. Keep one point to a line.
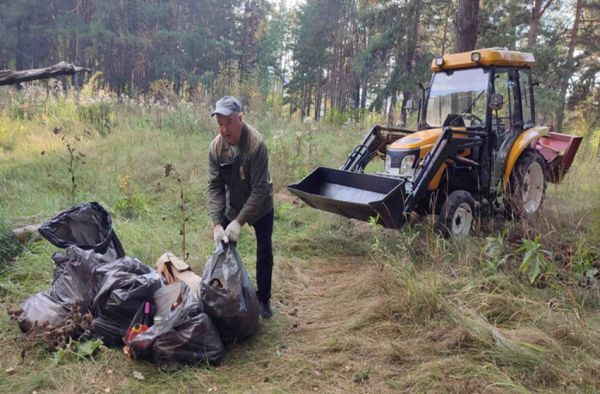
488 57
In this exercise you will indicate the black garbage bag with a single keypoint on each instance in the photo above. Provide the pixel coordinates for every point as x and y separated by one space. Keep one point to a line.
73 277
71 286
228 295
121 287
86 225
41 308
185 336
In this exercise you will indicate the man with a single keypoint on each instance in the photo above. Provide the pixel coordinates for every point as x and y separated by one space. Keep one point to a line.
240 190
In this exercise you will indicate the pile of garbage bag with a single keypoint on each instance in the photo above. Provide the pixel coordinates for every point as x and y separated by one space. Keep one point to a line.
179 336
168 315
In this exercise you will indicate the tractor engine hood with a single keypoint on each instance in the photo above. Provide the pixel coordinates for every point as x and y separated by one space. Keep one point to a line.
422 140
403 156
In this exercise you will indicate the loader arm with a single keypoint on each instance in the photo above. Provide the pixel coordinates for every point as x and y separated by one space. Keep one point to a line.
446 150
375 140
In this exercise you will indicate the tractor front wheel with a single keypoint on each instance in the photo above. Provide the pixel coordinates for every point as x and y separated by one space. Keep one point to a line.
527 185
456 215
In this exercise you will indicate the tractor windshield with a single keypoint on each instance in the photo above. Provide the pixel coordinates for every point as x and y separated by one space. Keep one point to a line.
457 92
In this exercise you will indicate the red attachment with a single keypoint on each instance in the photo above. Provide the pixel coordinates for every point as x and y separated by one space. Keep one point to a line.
559 152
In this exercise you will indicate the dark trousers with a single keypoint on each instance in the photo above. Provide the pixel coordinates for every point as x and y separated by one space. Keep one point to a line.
263 229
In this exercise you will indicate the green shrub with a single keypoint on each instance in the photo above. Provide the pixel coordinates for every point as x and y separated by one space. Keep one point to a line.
535 264
9 246
99 115
132 203
583 260
496 253
132 206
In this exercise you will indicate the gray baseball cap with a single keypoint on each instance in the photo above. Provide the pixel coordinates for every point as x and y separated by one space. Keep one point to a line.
226 106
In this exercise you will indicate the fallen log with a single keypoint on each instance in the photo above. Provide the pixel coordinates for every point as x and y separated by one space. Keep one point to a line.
9 77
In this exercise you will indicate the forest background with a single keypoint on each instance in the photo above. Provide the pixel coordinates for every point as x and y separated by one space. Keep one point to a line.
316 59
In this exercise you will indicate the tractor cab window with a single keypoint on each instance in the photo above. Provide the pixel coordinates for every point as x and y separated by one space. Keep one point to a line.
526 99
458 98
506 118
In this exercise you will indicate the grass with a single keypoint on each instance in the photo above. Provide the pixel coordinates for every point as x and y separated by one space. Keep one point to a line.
358 308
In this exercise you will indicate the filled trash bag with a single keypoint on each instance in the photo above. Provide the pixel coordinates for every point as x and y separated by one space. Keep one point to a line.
73 277
71 286
165 297
184 336
121 287
228 295
87 226
41 308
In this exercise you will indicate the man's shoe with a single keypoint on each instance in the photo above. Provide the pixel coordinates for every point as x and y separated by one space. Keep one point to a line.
265 310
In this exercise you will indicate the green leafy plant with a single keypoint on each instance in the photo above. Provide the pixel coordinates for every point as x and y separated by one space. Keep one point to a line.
77 350
361 376
131 204
582 262
376 244
534 264
496 253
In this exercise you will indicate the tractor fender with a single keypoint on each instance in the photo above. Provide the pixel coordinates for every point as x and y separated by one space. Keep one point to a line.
523 141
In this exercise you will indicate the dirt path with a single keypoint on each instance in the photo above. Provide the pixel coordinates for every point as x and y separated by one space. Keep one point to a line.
329 305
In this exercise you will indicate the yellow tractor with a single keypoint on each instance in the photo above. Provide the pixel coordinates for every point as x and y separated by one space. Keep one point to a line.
478 150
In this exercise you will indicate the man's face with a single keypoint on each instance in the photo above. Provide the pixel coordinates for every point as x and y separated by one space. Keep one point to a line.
230 127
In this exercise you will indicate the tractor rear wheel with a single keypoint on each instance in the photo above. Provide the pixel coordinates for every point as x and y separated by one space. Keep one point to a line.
456 215
527 185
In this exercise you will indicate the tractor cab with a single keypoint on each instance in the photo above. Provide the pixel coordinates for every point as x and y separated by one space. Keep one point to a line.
489 90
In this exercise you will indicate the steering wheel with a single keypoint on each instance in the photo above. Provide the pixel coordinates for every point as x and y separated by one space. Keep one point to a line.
475 120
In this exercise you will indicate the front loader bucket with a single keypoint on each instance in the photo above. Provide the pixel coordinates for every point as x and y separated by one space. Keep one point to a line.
353 195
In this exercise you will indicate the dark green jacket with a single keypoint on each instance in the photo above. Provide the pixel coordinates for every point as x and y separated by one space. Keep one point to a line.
239 185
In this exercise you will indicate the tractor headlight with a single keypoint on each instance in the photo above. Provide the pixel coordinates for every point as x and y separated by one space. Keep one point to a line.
401 162
407 164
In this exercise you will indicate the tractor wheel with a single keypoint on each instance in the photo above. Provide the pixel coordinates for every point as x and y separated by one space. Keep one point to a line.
456 215
527 185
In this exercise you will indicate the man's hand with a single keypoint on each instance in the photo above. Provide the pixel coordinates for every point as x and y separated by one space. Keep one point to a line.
232 232
219 234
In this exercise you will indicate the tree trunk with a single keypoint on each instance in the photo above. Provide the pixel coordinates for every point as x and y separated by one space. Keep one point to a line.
445 39
392 109
564 84
534 23
403 114
466 25
363 97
